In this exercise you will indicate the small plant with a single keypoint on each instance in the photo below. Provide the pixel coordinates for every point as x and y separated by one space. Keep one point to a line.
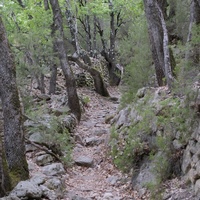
86 100
54 133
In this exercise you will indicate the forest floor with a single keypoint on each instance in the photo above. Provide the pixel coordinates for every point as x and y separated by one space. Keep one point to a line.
102 180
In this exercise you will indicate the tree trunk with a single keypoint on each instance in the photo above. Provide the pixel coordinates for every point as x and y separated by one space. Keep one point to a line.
194 20
52 85
88 35
156 39
40 81
73 100
109 55
5 184
98 81
166 51
72 22
13 125
52 82
46 5
94 37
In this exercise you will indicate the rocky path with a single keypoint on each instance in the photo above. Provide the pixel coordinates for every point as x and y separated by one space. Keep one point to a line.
94 176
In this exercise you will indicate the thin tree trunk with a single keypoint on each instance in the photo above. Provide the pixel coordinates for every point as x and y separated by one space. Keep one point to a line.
94 37
52 85
53 77
109 55
88 34
73 100
46 5
72 22
41 84
194 20
167 60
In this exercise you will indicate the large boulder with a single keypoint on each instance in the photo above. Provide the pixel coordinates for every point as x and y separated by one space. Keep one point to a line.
27 190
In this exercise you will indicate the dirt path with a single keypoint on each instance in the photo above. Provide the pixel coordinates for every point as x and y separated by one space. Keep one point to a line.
102 180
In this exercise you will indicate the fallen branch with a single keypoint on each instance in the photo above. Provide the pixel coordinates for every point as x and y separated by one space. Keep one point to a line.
45 148
96 75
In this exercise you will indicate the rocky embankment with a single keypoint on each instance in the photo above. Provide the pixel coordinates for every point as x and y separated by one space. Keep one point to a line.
155 141
158 138
92 174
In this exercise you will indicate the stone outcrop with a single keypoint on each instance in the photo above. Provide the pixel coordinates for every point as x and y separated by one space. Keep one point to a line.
47 184
156 137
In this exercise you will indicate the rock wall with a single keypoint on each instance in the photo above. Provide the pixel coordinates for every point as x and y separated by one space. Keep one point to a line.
157 137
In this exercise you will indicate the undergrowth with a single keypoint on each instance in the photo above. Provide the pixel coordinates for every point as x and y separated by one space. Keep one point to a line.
167 119
54 133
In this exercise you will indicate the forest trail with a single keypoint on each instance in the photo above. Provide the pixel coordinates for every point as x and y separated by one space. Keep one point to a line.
101 181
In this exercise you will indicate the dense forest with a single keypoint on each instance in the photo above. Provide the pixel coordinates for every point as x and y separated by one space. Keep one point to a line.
53 47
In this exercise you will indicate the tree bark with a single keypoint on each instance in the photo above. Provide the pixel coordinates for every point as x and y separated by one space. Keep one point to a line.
52 85
156 39
46 5
5 184
72 22
73 100
109 54
13 124
94 37
166 51
194 20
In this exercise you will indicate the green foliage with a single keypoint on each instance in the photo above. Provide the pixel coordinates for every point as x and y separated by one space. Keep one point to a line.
127 147
54 133
161 161
29 32
86 100
136 56
168 119
59 136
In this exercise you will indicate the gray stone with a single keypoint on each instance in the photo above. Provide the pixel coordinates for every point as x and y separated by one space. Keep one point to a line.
30 147
10 197
79 139
55 184
84 161
31 166
186 164
71 195
91 141
36 137
44 97
142 192
108 196
177 144
197 188
53 169
141 92
112 180
100 132
27 189
38 178
44 159
198 168
145 176
191 176
49 194
122 118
